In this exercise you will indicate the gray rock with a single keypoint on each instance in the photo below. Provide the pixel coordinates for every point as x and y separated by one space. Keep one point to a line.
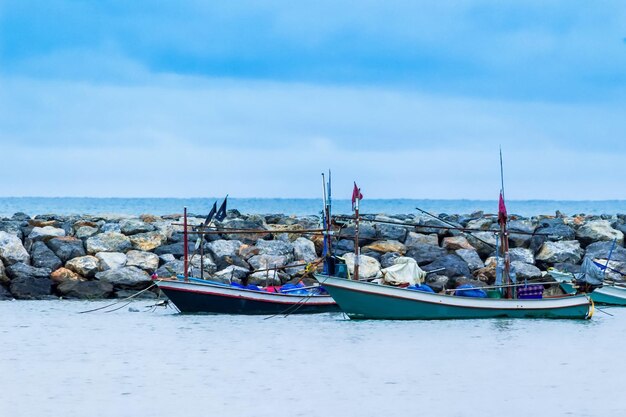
43 257
86 266
45 233
108 242
4 279
176 249
415 239
551 230
601 250
517 240
268 261
388 259
470 256
525 271
254 223
21 270
559 252
111 227
220 248
148 241
66 248
437 282
343 246
86 290
111 260
275 248
147 261
369 267
367 233
304 250
85 232
372 253
480 224
522 255
13 228
11 249
425 254
165 258
197 262
390 232
264 278
232 273
5 294
31 287
567 267
171 269
598 230
484 242
454 266
135 226
130 276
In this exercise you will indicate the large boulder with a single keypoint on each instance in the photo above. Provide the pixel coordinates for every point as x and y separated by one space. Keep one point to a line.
129 276
5 294
86 266
304 250
43 257
108 242
437 282
177 249
601 250
598 230
86 290
387 231
553 230
384 246
524 271
484 242
11 249
557 252
415 239
64 274
199 263
343 246
147 261
275 248
368 267
424 253
135 226
220 248
21 270
66 247
111 260
456 242
453 266
232 273
31 287
268 261
388 259
148 241
45 233
4 279
13 228
522 255
523 239
85 232
171 269
265 278
367 233
471 258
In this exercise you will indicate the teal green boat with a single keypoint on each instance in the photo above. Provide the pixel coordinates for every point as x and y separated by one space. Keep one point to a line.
364 300
607 294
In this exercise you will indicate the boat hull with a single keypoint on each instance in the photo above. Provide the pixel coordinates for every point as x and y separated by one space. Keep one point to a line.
193 297
607 295
362 300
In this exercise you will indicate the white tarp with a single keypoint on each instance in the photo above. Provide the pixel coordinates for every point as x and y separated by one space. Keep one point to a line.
404 270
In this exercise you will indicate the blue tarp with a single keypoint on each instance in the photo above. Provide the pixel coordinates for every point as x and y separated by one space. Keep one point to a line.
467 290
423 288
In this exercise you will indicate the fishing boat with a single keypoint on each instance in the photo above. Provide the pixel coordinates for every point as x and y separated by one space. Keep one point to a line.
203 296
199 295
367 300
612 294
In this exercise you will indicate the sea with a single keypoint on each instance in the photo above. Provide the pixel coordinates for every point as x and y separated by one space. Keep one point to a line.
294 206
137 360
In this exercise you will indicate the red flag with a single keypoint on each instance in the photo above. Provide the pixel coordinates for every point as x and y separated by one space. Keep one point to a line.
502 214
356 194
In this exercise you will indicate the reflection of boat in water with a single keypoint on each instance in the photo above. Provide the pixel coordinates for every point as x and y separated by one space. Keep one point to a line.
202 296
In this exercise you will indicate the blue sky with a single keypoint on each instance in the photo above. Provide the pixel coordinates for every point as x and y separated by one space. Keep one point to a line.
411 99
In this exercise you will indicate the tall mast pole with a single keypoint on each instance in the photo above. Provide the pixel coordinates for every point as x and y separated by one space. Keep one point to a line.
357 250
504 236
186 250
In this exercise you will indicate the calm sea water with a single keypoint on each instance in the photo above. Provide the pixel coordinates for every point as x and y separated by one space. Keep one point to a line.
136 206
55 362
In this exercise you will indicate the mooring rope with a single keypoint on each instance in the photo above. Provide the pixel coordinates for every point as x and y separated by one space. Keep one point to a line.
118 302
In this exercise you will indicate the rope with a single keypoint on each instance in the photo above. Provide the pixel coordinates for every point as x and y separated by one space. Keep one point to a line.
118 301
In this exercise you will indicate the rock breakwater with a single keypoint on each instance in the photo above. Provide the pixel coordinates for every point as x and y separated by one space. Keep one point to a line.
94 257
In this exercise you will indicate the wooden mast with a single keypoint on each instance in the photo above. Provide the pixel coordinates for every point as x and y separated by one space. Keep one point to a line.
186 249
357 250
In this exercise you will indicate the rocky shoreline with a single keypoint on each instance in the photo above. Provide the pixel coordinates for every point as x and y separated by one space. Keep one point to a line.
97 257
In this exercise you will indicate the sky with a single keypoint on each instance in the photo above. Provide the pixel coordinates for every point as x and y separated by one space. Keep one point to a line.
256 99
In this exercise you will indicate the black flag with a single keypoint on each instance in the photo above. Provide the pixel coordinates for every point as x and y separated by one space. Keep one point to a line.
221 213
209 217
